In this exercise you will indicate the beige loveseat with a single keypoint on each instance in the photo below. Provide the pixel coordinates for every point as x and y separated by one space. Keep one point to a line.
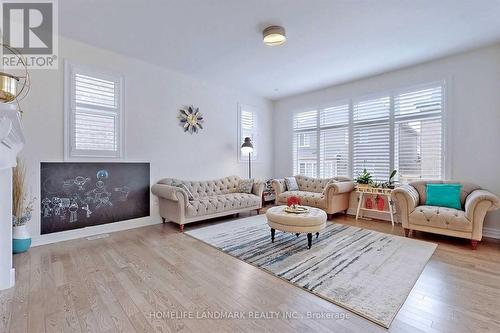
211 199
329 194
465 223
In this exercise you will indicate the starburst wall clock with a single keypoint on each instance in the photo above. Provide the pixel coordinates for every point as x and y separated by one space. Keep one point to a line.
191 119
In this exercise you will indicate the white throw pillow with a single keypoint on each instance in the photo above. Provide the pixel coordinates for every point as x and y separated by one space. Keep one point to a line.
245 186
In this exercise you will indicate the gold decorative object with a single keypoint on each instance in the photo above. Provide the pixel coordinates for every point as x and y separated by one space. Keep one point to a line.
296 210
14 87
191 119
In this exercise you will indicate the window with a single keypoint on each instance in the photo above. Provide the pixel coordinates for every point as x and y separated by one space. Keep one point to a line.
326 151
402 130
248 128
94 114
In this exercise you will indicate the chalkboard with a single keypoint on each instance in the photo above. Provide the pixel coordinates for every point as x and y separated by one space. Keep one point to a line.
79 195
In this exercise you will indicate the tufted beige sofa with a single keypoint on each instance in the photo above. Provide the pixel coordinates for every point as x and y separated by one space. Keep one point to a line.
465 223
212 198
329 194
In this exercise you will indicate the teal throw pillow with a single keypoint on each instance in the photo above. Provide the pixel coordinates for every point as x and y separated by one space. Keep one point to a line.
443 195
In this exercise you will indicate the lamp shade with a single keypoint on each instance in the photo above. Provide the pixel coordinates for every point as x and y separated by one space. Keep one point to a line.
247 146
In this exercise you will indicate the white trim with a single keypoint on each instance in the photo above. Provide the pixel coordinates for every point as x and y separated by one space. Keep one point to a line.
94 230
491 232
256 132
69 154
12 277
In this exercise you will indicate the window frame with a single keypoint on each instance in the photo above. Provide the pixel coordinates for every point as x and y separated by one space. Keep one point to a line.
255 132
70 151
391 93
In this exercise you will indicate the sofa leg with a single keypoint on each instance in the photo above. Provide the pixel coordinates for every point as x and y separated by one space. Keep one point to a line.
258 211
181 227
345 212
329 216
406 231
164 220
473 244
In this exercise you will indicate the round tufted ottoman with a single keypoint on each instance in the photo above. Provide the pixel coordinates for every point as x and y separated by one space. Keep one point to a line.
312 222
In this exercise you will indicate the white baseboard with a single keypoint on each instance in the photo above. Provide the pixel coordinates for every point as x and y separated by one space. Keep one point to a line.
491 232
12 277
95 230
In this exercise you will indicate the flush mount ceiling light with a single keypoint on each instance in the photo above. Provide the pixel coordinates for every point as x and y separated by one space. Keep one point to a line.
274 35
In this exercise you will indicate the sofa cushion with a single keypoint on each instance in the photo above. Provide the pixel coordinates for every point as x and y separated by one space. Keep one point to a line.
185 188
221 203
291 184
245 186
441 217
306 198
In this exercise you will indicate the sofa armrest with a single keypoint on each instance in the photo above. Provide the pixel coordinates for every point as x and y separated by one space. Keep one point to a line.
258 188
406 199
278 186
479 202
172 193
339 187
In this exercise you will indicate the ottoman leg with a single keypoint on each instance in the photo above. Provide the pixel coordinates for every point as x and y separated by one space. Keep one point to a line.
272 235
317 234
297 234
309 240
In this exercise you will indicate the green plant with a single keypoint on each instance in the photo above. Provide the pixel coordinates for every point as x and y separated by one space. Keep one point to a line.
364 178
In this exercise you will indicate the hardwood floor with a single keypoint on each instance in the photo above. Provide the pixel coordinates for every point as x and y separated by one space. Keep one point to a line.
133 280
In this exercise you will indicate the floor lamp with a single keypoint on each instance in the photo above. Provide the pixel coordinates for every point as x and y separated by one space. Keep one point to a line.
247 147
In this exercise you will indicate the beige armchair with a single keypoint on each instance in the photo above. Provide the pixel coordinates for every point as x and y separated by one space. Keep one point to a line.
329 194
466 223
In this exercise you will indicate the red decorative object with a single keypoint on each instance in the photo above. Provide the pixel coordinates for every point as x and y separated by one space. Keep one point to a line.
293 201
369 203
380 203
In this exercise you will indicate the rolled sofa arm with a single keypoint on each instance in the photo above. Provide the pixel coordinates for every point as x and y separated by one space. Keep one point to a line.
339 187
258 188
278 187
406 199
479 202
169 192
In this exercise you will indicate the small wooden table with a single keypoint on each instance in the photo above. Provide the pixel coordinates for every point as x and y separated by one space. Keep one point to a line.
384 192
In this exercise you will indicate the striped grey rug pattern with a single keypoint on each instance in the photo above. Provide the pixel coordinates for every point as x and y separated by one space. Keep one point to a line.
367 272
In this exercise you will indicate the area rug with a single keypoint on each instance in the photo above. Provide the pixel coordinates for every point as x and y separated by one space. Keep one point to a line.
367 272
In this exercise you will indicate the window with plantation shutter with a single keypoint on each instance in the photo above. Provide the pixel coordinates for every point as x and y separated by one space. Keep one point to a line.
401 130
418 133
371 137
94 114
248 128
305 144
321 142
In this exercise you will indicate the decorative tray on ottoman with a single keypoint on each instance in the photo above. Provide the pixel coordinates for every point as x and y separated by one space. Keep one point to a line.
296 210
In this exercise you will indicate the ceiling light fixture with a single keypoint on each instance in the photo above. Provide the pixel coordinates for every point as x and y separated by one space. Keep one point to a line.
274 35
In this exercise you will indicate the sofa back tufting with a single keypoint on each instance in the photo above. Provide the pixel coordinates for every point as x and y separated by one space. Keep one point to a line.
317 185
206 188
420 186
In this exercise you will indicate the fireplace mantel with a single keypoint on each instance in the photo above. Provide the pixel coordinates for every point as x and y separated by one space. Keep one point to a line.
11 143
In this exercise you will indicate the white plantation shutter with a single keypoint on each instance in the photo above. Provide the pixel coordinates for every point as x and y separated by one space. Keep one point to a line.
95 114
321 142
248 128
371 137
401 130
418 133
334 141
305 147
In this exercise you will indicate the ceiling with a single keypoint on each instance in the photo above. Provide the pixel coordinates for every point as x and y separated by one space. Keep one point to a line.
329 41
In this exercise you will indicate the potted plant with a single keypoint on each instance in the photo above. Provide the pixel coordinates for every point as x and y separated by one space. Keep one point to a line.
22 207
390 182
293 202
364 179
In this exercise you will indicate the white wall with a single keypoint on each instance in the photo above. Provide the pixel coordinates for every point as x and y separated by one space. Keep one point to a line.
153 96
473 81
